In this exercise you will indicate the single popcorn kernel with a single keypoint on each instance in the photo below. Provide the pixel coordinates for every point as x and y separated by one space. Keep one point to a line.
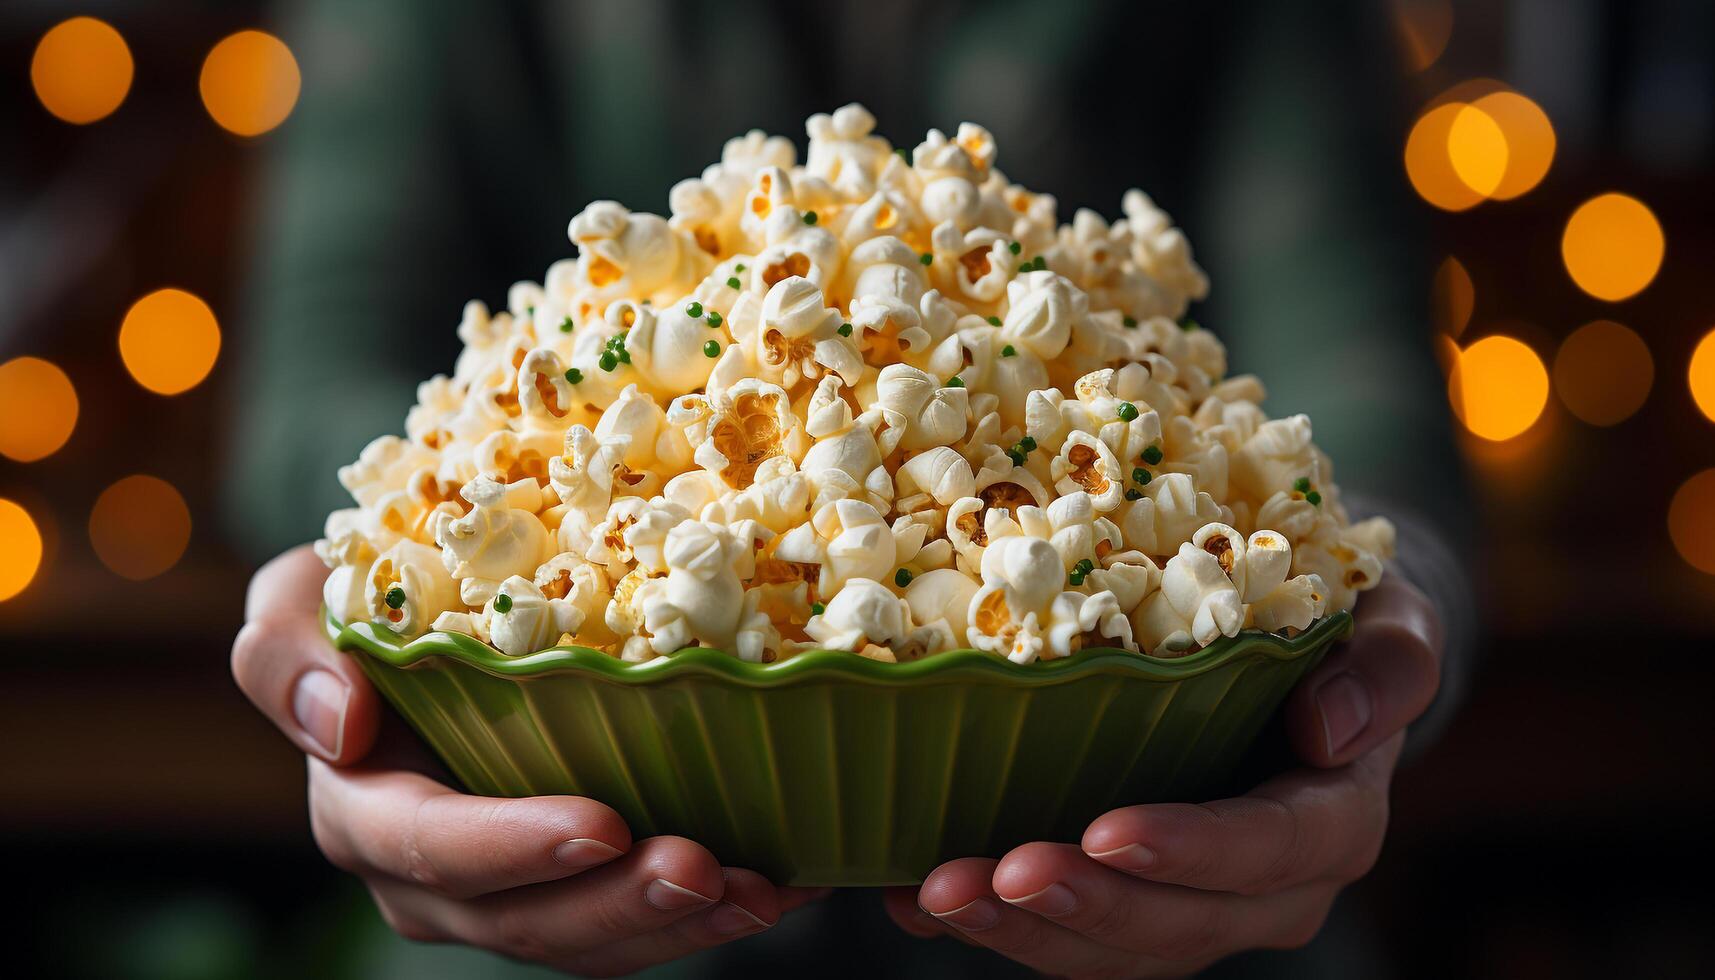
1084 473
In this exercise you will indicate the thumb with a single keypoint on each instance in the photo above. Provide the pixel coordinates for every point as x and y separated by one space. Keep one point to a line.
1373 685
284 662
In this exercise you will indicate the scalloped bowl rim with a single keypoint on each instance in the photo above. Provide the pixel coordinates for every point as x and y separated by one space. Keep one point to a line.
966 664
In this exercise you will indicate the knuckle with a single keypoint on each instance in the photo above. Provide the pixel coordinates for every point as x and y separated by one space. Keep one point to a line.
1198 938
517 934
414 860
1302 930
248 650
1112 923
407 926
1282 866
330 841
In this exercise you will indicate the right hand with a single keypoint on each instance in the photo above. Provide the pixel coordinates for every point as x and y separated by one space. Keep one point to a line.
549 879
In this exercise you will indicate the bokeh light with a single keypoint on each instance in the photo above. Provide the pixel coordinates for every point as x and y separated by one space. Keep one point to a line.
1529 138
1498 387
1425 26
20 549
1430 166
1701 375
38 409
1452 297
1613 246
250 83
169 341
139 527
81 70
1478 149
1603 372
1691 521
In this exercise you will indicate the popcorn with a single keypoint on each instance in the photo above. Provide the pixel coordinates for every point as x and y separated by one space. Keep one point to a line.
860 403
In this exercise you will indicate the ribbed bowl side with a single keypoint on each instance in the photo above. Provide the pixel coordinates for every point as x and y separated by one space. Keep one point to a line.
835 781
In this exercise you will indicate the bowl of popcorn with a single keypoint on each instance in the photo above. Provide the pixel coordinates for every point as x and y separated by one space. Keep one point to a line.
854 517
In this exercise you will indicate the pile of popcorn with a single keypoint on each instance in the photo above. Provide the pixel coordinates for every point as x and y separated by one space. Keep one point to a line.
878 402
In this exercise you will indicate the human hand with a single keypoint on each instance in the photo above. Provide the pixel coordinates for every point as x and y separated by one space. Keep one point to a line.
1167 889
551 879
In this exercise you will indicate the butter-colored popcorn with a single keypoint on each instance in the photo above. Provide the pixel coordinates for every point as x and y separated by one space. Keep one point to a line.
867 614
881 402
407 587
520 619
701 600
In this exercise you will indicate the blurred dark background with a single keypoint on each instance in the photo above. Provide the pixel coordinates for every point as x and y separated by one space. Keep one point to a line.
156 824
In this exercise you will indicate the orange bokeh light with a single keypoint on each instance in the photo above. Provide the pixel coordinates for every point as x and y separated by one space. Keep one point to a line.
1701 375
1613 246
38 409
1529 138
1603 372
1691 521
1429 165
1498 387
250 83
1478 149
1425 26
20 549
169 341
139 527
1452 297
81 70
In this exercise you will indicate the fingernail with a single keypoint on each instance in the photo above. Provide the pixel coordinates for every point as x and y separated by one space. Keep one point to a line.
974 917
1134 858
730 920
669 897
1345 706
318 704
584 852
1056 899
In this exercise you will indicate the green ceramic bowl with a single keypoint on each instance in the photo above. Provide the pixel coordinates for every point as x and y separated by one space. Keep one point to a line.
831 769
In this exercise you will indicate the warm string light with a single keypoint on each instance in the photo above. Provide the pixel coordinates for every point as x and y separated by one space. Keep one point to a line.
20 549
139 527
38 409
1700 375
1613 246
1691 521
1498 387
1603 372
169 341
250 83
81 70
1477 142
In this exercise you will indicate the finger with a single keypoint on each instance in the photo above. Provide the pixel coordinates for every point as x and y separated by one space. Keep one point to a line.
1373 685
290 582
283 662
1062 884
901 906
959 893
1305 825
661 880
412 828
749 905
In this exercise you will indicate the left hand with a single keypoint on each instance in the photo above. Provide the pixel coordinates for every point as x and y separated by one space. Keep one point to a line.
1167 889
